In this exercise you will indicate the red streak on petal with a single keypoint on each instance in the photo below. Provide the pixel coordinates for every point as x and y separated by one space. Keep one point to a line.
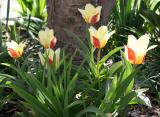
96 42
12 53
53 43
50 61
131 55
94 19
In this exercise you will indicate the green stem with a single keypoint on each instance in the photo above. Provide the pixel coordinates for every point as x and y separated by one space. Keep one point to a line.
98 74
98 55
98 59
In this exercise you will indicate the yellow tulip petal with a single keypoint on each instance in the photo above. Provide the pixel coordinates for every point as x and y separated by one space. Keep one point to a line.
132 41
15 50
57 54
85 15
99 37
101 32
139 47
98 10
49 33
11 44
103 42
139 59
92 32
20 47
90 8
90 13
50 54
143 42
42 59
45 37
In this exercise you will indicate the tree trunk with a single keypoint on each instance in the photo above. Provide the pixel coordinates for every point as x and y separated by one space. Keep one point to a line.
65 14
107 6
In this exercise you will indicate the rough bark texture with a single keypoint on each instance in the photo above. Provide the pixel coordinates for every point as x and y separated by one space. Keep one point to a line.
65 14
107 6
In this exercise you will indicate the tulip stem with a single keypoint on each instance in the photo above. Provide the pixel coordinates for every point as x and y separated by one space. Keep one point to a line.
98 59
98 55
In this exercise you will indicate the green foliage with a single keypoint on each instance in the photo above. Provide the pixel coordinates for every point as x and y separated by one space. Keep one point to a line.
96 87
151 16
34 8
138 17
127 12
52 91
4 96
34 16
125 19
134 17
109 88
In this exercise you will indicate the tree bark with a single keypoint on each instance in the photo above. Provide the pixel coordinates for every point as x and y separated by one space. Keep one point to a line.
107 6
65 14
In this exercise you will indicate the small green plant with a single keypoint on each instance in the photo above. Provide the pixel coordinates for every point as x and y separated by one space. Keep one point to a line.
33 8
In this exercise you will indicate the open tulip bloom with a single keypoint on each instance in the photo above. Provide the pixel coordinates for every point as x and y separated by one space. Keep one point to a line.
91 14
50 55
15 50
47 38
99 37
136 50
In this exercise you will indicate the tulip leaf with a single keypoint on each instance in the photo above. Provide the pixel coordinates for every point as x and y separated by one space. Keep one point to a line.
75 103
124 101
91 109
36 105
110 94
114 68
106 57
152 17
141 98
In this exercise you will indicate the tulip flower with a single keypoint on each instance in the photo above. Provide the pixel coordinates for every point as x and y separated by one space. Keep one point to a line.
50 54
136 50
47 38
99 37
91 14
15 50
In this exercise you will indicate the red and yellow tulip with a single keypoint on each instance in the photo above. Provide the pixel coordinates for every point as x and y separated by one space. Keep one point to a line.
99 37
51 54
91 14
15 50
47 38
136 50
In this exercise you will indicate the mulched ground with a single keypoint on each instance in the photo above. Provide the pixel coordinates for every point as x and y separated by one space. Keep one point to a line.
9 110
144 111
